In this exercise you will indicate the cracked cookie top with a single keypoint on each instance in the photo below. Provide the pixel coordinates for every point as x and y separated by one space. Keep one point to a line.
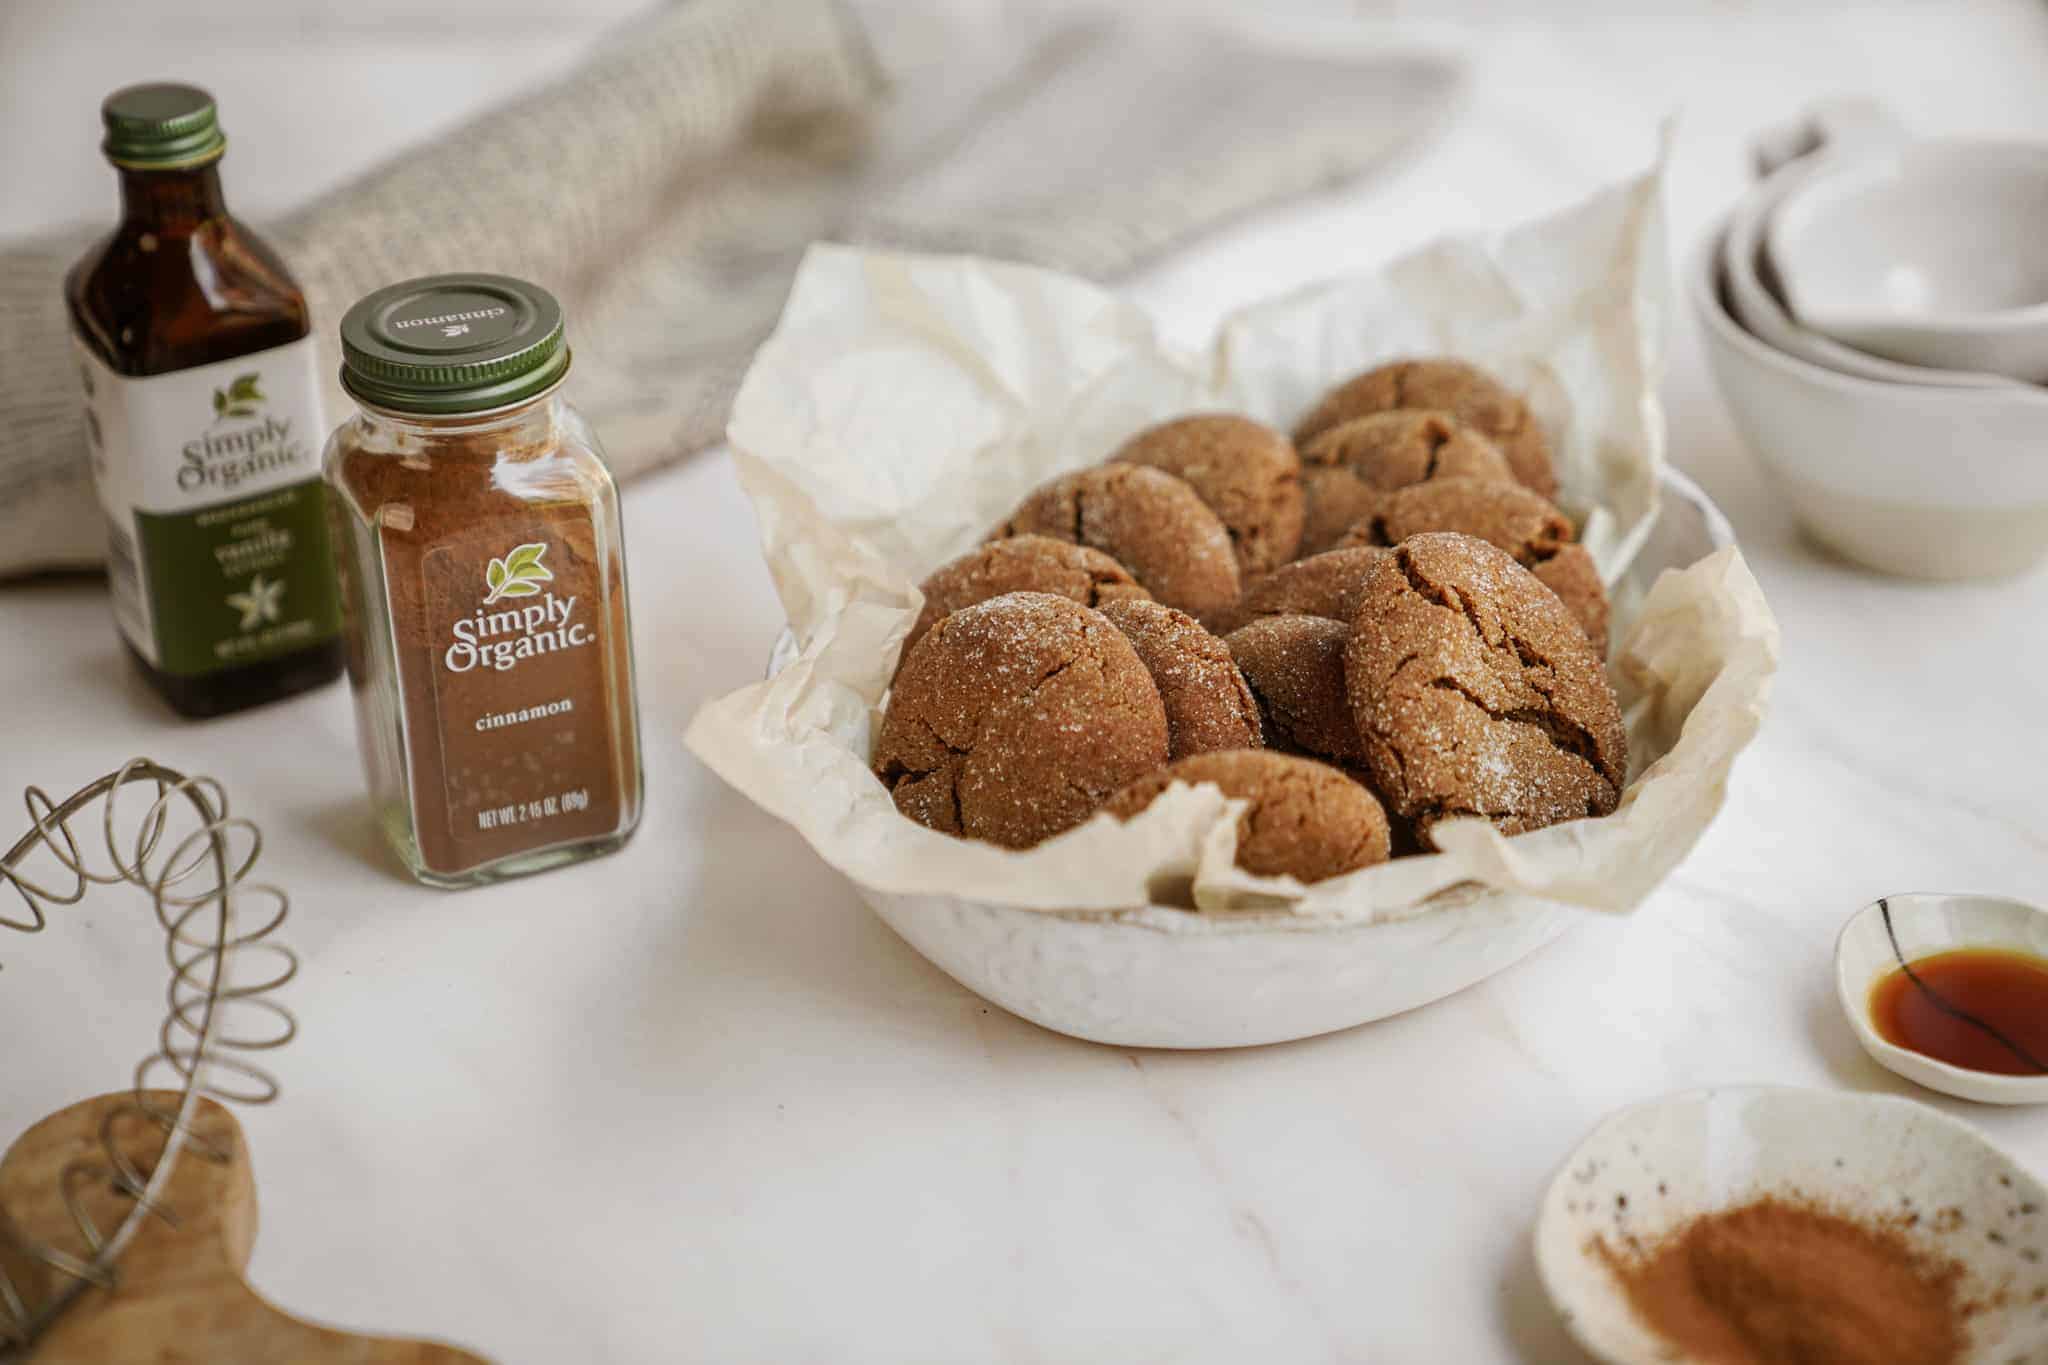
1303 819
1014 718
1295 665
1350 464
1208 703
1146 520
1021 564
1330 584
1247 473
1465 391
1393 449
1508 517
1476 693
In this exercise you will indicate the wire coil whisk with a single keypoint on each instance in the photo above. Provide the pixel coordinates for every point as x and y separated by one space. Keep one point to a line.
193 858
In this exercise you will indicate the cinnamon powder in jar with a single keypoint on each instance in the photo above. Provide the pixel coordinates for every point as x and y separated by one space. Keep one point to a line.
1779 1281
483 584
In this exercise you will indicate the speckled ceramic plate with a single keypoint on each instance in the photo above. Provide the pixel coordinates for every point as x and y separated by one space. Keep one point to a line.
1648 1168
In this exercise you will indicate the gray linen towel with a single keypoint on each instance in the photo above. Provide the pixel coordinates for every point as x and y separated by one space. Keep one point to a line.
666 188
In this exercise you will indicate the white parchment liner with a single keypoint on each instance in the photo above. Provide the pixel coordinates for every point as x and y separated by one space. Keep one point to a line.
906 403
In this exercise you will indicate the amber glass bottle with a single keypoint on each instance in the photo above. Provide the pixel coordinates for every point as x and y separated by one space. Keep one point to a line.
204 424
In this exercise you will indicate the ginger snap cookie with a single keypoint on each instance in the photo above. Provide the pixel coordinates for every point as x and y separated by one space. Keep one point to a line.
1508 517
1021 564
1208 703
1575 578
1014 718
1349 465
1295 665
1330 584
1304 819
1443 384
1247 473
1333 500
1146 520
1476 693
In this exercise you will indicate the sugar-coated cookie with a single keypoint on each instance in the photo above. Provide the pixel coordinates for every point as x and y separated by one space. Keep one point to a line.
1208 703
1304 819
1437 382
1508 517
1146 520
1476 693
1021 564
1013 719
1247 473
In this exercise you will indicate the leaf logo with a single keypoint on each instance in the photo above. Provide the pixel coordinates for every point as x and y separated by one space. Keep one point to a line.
243 398
518 574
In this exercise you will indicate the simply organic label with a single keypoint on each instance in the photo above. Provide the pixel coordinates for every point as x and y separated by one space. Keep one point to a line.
522 628
216 517
516 658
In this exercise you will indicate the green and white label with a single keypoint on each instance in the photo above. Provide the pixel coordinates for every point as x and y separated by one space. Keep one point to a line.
216 517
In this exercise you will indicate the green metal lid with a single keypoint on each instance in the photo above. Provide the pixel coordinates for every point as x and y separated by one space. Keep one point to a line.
161 126
453 344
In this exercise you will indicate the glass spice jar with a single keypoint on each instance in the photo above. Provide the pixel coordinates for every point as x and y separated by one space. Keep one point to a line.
483 585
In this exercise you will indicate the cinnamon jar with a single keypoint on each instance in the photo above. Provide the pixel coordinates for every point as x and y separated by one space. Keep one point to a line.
483 585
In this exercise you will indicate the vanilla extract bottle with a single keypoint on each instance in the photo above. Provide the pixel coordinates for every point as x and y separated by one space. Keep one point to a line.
203 424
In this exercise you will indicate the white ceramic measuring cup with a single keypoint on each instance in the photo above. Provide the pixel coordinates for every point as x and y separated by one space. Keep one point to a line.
1787 159
1930 253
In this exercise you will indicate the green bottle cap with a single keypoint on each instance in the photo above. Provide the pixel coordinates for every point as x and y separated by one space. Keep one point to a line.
161 127
453 344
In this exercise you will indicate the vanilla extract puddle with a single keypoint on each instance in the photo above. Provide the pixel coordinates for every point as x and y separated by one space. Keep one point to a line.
1979 1008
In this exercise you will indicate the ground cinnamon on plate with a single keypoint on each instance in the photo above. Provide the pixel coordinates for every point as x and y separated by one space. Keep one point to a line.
1779 1281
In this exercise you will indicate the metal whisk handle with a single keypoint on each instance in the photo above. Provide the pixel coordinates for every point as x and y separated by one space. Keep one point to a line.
193 858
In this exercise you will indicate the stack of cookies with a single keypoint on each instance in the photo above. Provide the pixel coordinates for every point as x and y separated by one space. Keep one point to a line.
1378 624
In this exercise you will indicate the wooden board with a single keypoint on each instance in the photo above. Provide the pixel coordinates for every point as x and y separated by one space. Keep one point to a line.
181 1296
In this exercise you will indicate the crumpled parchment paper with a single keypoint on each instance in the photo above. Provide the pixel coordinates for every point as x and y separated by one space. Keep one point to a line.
906 403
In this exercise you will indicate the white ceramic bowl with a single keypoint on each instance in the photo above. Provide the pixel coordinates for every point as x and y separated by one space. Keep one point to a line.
1648 1168
1898 929
1756 307
1924 482
1932 253
1162 977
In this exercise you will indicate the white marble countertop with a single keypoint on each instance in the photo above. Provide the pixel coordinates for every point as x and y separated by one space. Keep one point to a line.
694 1102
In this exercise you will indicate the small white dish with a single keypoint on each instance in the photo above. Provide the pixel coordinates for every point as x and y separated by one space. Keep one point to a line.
1938 483
1899 929
1830 135
1931 254
1756 306
1647 1169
